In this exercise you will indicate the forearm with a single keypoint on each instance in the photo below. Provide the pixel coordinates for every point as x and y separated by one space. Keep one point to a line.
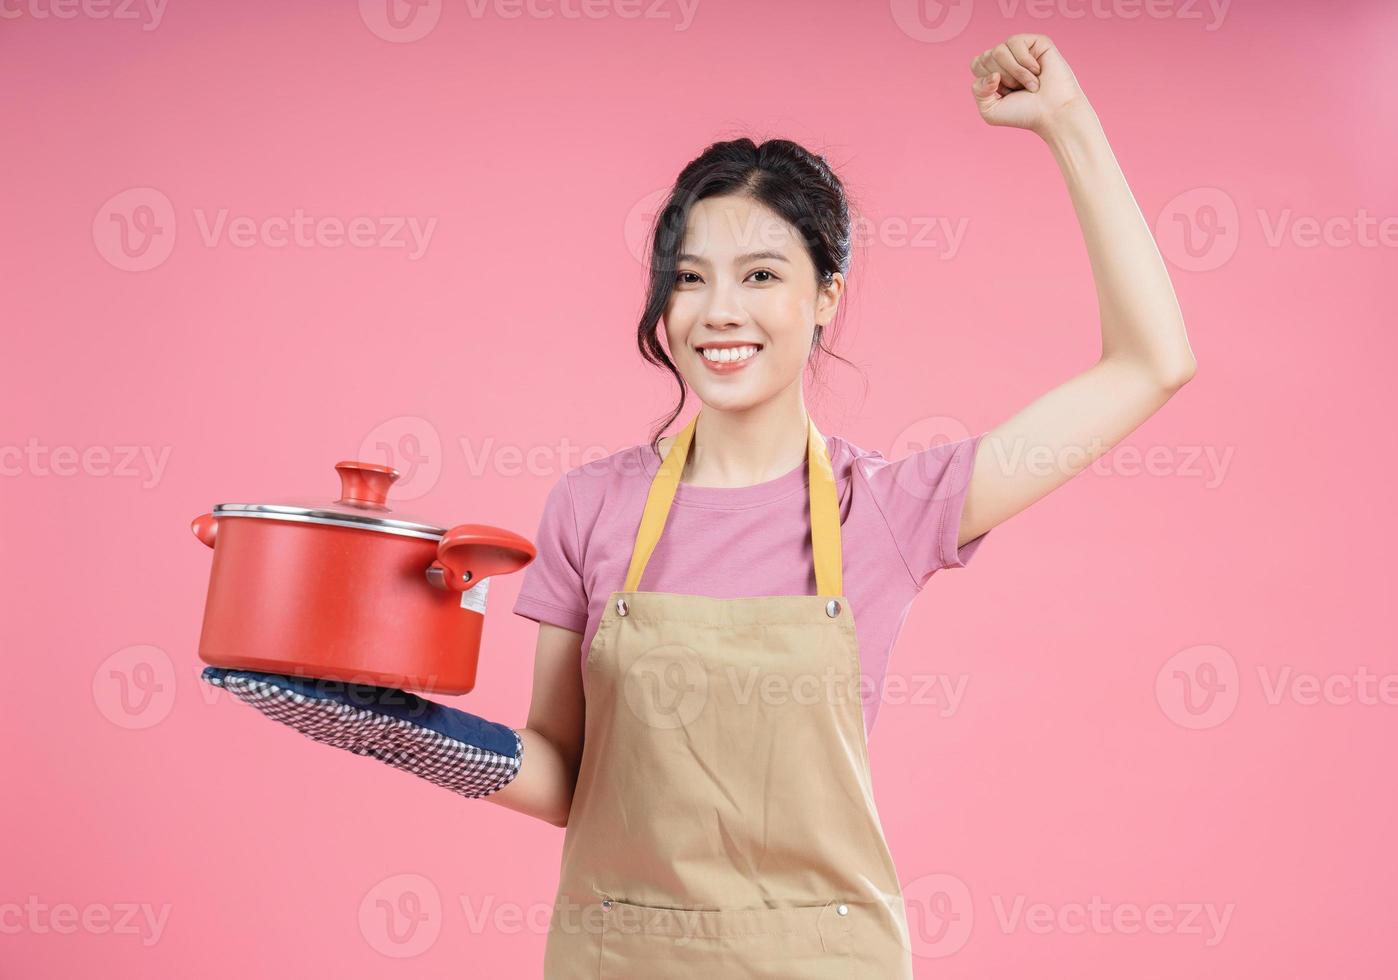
1140 315
543 787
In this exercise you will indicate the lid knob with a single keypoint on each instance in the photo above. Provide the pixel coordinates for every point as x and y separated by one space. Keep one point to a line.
365 484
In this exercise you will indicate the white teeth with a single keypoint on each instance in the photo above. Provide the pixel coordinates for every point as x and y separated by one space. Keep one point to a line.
723 355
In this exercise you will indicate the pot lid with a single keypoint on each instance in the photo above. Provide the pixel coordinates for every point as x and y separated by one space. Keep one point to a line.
363 504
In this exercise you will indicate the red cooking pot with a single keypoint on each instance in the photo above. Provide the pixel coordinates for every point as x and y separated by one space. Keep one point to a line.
349 590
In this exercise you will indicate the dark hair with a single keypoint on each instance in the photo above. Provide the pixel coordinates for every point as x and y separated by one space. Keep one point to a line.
784 176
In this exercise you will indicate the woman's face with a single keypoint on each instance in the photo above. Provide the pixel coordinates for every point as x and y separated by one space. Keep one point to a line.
743 279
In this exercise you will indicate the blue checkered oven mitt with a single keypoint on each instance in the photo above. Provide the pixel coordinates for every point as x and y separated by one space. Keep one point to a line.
454 749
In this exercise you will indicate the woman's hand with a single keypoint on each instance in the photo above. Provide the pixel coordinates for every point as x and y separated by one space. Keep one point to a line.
1025 83
456 750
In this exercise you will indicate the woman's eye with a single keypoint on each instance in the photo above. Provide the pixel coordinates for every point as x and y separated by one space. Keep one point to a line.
688 278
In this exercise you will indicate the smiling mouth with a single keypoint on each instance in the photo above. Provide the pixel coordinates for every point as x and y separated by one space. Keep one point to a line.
727 353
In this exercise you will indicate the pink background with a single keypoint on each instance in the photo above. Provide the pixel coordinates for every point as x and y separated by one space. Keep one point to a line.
1120 734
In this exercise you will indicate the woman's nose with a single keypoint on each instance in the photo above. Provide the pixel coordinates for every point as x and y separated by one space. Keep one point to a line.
724 309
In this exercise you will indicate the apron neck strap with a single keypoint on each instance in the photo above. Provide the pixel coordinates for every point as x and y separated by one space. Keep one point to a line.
824 510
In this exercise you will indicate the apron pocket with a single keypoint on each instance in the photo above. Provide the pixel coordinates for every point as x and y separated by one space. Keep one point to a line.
651 942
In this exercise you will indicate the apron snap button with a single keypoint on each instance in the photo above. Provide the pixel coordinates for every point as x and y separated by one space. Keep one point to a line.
832 609
621 607
843 910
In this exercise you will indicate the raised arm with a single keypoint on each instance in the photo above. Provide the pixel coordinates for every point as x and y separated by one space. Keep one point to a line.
1025 83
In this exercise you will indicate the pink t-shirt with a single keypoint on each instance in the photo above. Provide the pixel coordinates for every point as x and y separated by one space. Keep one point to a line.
899 522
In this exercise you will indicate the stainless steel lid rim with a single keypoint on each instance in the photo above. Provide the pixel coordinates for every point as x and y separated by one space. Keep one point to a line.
304 515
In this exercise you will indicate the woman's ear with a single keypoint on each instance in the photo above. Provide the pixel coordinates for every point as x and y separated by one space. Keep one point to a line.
828 295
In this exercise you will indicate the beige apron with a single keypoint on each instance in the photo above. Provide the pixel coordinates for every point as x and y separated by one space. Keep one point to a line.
723 823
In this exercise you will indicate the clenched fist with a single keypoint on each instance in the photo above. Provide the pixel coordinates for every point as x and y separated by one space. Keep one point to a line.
1024 82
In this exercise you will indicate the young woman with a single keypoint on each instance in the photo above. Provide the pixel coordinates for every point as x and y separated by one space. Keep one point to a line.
709 601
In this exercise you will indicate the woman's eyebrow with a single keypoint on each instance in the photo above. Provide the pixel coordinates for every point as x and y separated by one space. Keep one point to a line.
739 260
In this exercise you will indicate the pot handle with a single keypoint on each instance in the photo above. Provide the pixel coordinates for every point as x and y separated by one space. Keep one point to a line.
205 528
471 553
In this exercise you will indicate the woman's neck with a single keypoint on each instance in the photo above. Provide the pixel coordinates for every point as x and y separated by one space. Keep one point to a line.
740 449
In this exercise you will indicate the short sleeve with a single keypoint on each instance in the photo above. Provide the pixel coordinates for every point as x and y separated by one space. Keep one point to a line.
921 497
552 590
